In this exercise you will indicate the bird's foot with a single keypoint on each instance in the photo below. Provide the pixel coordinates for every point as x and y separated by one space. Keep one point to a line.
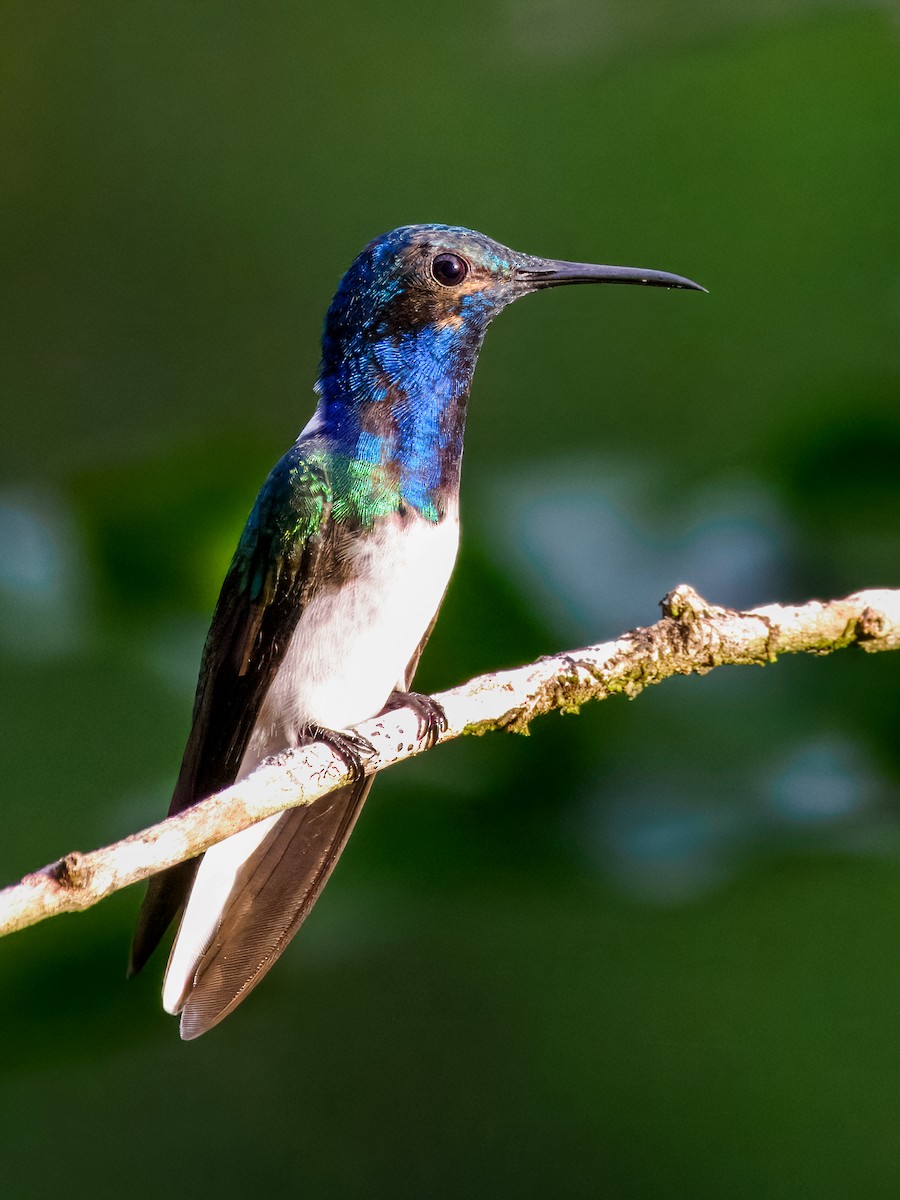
431 716
351 747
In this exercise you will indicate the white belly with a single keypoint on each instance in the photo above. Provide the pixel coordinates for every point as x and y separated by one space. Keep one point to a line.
352 645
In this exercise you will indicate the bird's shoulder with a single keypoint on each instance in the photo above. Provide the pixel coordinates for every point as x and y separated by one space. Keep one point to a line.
274 561
291 511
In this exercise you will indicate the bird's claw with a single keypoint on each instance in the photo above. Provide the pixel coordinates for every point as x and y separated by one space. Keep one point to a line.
353 748
431 716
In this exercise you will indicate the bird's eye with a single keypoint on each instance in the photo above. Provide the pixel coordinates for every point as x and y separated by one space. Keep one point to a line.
449 269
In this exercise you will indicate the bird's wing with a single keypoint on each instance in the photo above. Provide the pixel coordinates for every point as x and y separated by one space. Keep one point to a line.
272 896
284 550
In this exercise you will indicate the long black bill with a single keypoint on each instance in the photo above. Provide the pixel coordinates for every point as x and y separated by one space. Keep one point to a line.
550 273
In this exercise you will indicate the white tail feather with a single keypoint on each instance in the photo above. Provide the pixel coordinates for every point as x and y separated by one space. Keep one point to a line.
212 887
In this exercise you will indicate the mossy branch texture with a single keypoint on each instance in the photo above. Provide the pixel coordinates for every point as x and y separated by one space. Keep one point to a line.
692 638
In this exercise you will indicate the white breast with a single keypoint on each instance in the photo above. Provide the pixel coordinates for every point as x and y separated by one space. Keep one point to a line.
352 645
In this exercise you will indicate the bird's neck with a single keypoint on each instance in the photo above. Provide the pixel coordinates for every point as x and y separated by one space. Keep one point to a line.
393 408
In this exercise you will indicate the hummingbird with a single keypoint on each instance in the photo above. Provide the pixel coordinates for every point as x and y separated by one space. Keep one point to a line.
333 592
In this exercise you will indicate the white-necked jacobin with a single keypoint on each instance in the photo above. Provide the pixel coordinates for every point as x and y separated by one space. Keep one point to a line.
333 590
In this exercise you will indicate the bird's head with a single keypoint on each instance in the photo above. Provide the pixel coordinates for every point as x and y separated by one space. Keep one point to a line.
453 281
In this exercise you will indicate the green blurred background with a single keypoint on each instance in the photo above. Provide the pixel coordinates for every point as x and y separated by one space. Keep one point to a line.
650 952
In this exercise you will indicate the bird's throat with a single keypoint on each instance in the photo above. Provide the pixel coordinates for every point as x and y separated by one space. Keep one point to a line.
393 408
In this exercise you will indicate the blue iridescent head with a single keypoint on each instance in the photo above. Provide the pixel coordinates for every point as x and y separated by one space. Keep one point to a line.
402 336
428 291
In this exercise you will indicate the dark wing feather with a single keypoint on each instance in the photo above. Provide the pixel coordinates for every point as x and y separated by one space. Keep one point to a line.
284 548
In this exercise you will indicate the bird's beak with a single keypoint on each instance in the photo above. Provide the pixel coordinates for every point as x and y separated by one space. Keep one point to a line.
548 272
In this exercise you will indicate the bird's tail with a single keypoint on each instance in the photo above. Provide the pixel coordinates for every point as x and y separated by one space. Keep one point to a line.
271 875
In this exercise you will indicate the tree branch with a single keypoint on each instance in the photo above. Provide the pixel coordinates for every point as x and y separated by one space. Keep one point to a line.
693 637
